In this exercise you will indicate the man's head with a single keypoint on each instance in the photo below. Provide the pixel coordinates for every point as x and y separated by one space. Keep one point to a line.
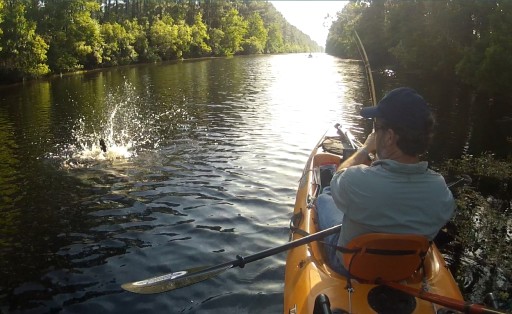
407 114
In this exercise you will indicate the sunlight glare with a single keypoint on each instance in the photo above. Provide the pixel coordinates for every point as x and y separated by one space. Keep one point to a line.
307 97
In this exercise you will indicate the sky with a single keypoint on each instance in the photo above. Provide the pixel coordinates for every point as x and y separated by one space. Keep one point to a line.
309 16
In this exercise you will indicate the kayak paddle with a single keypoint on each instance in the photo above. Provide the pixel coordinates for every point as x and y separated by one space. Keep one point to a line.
191 276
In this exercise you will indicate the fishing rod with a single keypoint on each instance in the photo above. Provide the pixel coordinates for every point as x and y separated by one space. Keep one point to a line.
364 56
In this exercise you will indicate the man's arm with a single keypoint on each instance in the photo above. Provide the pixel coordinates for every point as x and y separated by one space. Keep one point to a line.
361 156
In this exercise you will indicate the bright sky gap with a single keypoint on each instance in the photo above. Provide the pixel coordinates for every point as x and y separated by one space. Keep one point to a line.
312 17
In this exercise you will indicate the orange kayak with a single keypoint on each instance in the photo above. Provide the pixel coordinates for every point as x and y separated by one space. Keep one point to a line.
309 280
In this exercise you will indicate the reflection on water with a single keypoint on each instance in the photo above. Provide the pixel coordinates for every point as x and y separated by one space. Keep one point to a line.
202 164
203 160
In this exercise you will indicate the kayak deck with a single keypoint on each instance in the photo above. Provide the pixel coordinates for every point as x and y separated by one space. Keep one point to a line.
308 275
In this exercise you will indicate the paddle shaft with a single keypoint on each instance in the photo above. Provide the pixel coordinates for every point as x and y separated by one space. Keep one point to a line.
462 306
241 261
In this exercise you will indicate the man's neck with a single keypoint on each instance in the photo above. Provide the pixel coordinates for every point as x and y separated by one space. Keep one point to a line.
399 156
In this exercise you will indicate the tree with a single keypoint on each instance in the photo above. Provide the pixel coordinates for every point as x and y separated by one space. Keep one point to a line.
183 39
275 42
257 34
487 63
340 39
75 39
24 52
216 36
234 28
117 45
199 46
67 35
140 40
1 20
467 41
168 39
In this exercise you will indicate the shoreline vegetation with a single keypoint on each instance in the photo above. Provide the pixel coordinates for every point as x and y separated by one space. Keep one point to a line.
466 44
55 37
467 41
482 227
52 76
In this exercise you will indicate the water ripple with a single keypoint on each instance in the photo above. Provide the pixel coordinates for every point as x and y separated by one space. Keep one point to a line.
212 172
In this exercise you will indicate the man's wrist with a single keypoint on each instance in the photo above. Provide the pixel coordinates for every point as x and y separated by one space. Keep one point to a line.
366 153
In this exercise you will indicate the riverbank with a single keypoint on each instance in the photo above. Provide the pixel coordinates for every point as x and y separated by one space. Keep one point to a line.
482 227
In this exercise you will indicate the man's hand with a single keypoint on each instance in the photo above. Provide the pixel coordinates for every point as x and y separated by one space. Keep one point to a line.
370 144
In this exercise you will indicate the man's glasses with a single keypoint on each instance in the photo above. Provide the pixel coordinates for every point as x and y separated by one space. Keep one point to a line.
379 126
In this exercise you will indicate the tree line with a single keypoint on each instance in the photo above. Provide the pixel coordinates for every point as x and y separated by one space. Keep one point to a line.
464 40
42 37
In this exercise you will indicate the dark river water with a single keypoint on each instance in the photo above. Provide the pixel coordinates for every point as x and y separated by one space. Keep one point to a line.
203 163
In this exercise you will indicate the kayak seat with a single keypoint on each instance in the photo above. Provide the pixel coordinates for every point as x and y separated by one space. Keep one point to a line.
374 257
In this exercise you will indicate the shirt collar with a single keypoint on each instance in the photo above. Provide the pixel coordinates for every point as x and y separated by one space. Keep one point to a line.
395 166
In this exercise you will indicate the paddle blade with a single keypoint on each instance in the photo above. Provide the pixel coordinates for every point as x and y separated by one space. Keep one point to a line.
174 280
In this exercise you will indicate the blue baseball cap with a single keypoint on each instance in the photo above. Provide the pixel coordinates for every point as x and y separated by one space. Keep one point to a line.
402 107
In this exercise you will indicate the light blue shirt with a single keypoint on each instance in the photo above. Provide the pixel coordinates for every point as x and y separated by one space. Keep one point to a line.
391 197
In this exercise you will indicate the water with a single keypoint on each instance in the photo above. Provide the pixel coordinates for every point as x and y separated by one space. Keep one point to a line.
203 160
202 164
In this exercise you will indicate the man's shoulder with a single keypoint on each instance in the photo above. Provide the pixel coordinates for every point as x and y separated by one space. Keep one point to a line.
352 171
362 170
357 174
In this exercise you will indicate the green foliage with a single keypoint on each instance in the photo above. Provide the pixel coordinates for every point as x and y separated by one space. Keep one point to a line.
487 63
482 218
256 37
275 41
140 41
340 40
161 36
75 38
1 20
117 45
200 37
183 39
170 40
64 35
216 36
467 40
484 165
24 52
234 28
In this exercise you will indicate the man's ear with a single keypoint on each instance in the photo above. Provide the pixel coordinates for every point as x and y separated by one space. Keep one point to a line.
390 137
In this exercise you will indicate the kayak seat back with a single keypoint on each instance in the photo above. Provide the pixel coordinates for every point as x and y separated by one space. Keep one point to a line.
383 256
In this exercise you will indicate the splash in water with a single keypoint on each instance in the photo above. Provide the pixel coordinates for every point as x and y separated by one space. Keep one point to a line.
118 132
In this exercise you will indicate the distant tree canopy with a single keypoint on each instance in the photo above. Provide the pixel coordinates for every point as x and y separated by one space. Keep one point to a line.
55 36
468 40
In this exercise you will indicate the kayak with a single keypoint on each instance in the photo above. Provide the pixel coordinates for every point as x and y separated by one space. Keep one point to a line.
312 286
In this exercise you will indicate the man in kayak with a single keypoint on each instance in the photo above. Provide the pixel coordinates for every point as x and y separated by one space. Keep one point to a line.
396 193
